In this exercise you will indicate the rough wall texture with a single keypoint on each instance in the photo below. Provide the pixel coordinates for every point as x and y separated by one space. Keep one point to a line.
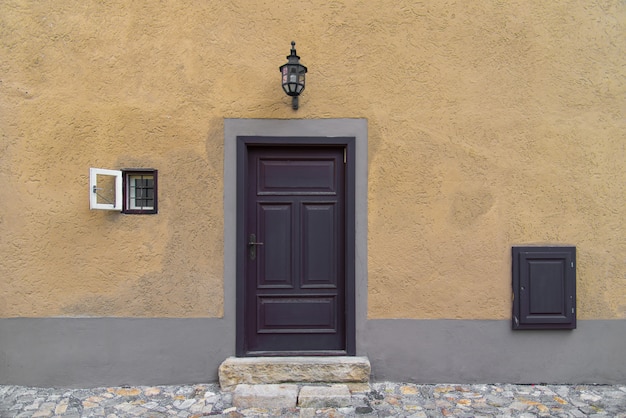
490 124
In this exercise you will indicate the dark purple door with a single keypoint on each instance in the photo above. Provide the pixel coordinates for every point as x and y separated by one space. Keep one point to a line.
295 255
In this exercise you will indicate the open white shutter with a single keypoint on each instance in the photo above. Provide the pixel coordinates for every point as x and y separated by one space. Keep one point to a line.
105 189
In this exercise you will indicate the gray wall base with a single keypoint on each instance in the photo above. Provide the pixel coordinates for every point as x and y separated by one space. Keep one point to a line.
88 352
483 351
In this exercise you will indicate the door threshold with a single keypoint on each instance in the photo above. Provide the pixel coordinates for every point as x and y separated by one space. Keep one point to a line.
287 354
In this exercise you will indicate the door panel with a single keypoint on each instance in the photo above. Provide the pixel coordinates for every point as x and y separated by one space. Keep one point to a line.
296 177
275 254
319 246
295 300
286 314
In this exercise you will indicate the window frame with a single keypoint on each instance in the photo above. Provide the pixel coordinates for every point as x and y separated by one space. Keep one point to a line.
93 187
127 176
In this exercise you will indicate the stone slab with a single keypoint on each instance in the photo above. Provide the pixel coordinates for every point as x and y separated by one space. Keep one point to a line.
333 396
273 370
265 396
358 387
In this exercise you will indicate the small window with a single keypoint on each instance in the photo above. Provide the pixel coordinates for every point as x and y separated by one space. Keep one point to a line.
105 189
544 287
131 191
140 191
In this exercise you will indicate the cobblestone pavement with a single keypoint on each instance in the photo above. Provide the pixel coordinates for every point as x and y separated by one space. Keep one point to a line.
384 399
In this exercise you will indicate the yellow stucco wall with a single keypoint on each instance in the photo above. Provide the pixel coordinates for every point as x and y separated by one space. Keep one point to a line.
491 124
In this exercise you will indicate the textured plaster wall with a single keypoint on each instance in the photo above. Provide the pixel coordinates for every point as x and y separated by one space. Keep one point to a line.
490 124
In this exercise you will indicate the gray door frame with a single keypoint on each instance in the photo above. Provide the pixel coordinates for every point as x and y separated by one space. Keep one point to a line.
234 128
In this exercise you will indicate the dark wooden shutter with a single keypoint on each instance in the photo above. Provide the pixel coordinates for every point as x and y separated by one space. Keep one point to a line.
544 287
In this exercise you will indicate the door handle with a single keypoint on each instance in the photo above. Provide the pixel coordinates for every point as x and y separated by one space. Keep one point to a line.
252 244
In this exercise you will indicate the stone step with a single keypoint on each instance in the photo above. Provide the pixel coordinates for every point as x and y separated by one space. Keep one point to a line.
275 370
265 396
278 396
333 396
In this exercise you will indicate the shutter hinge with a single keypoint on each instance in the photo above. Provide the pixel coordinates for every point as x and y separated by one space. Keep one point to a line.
344 155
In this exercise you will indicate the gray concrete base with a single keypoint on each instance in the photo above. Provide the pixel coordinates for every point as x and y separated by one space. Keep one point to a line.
484 351
270 370
89 352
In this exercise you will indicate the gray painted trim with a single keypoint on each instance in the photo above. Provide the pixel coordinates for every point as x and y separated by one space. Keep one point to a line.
87 352
484 351
288 128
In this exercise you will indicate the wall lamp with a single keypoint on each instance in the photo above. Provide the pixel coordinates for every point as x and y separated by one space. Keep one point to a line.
293 76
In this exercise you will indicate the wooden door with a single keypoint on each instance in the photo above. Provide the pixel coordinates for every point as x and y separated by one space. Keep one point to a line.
295 255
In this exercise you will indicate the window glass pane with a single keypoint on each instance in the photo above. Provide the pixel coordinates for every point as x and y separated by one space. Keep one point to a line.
106 189
141 194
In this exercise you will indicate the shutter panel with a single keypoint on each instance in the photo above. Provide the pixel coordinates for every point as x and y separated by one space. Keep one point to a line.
544 287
